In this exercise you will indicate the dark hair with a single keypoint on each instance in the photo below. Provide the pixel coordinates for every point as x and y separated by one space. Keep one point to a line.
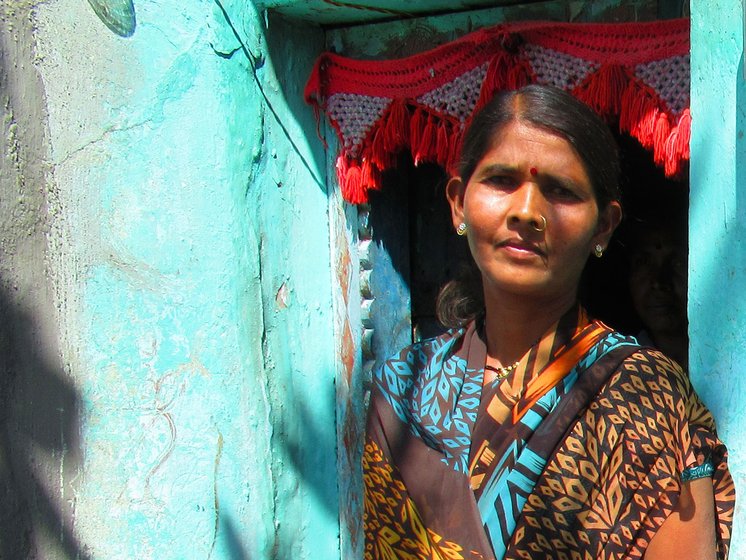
557 112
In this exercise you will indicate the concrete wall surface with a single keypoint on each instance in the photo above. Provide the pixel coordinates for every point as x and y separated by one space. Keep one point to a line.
717 229
168 382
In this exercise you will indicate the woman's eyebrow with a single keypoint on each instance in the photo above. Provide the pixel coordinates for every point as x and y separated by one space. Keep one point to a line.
508 169
561 180
498 168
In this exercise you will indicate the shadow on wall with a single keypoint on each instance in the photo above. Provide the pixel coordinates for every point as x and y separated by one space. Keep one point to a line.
236 550
740 135
39 427
309 449
293 49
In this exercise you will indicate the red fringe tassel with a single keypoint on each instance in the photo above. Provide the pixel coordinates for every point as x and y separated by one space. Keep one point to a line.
505 72
603 90
377 152
348 175
427 149
452 165
443 145
611 92
642 116
639 114
396 135
356 179
677 146
416 130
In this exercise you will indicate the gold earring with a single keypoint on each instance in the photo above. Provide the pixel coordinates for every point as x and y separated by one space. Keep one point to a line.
598 250
461 229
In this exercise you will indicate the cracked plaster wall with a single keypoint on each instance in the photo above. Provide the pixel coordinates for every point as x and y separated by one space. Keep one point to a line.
165 249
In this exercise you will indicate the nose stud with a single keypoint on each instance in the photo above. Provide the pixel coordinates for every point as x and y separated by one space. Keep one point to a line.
543 224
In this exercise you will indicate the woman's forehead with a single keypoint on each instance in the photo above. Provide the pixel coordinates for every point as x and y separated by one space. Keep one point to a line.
519 144
522 132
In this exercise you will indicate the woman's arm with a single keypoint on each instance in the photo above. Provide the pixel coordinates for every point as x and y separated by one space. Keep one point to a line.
689 532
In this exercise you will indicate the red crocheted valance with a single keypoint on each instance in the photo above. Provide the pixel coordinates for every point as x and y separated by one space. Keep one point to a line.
635 75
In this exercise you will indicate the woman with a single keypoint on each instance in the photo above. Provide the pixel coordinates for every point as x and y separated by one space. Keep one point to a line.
530 430
657 258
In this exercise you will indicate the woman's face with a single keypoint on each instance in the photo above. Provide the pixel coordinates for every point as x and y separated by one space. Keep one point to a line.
658 281
529 175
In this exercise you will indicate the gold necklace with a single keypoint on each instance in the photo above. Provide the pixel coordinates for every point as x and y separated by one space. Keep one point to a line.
502 371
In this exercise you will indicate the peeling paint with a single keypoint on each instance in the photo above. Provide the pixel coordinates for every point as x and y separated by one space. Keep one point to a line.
282 298
215 496
117 15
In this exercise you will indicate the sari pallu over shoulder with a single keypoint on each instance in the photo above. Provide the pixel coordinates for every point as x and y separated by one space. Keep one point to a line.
617 474
427 406
509 456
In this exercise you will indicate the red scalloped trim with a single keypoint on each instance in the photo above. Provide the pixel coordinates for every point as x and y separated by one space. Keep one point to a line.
612 90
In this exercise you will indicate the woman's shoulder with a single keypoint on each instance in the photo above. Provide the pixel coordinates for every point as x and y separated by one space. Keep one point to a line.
421 358
652 357
423 352
648 370
402 379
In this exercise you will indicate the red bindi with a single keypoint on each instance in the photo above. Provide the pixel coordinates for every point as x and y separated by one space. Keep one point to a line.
534 172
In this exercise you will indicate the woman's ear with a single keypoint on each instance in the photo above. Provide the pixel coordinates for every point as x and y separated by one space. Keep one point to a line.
608 221
455 194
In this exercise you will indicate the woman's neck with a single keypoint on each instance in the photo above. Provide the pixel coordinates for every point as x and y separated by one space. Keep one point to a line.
514 323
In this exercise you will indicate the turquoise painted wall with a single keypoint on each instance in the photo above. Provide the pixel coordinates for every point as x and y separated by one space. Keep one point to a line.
204 284
717 252
189 255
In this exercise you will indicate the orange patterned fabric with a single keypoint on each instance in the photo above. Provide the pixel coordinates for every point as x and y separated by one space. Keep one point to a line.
609 483
616 477
588 334
393 527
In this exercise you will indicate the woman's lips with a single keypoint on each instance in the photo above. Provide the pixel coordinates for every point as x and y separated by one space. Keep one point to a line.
521 248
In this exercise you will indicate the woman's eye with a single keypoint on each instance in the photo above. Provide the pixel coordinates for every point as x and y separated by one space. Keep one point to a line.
503 181
640 260
560 191
678 264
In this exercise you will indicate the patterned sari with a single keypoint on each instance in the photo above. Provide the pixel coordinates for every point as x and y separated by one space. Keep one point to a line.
580 453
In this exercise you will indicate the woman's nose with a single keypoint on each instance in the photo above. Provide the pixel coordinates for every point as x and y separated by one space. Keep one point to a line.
663 275
526 205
